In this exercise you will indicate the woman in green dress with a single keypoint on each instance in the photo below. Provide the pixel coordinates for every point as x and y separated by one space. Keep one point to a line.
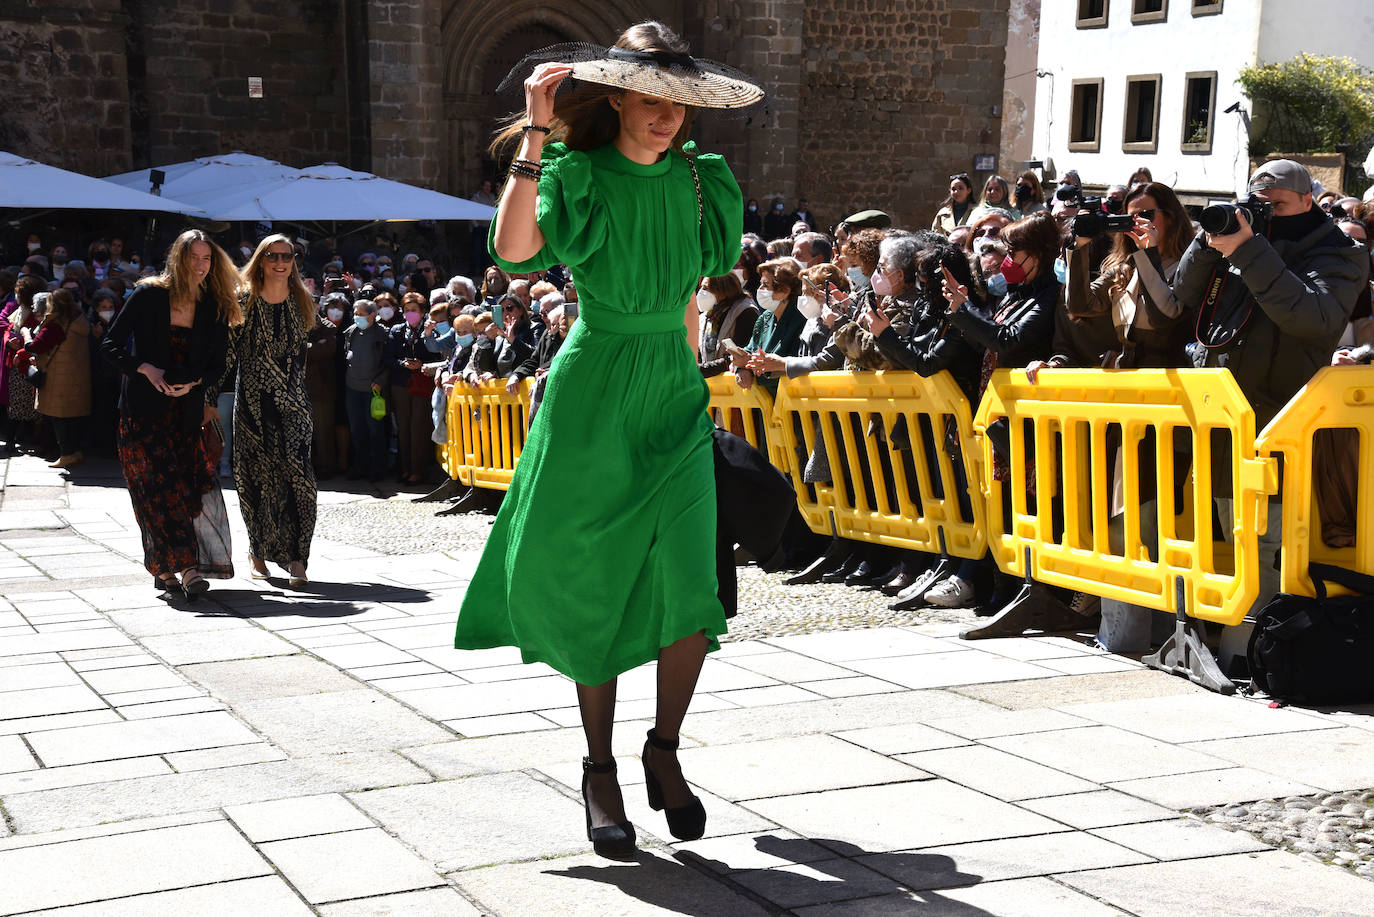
602 556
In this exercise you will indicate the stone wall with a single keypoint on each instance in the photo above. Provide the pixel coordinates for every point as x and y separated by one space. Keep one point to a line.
1018 93
406 91
65 84
198 56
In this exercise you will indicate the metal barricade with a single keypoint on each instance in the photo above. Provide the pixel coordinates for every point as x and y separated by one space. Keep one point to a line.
892 478
1065 460
1337 398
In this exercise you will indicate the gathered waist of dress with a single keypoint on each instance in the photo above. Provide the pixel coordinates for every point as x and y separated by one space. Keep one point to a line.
632 322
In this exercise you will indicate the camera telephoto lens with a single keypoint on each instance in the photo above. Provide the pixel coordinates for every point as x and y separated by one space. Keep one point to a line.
1219 219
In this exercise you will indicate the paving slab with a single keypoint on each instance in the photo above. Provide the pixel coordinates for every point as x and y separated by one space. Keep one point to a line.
1181 839
267 895
30 724
1020 897
1080 689
874 643
940 670
820 882
165 619
218 646
1213 788
465 701
15 755
588 886
207 789
1007 858
341 721
900 739
133 678
319 866
1198 717
49 778
1244 885
756 850
111 867
274 676
284 819
1332 759
479 821
434 902
230 756
29 677
1098 809
22 645
1008 723
1104 754
901 816
996 773
786 767
84 744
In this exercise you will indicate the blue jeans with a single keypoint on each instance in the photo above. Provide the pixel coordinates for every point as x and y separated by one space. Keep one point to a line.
368 435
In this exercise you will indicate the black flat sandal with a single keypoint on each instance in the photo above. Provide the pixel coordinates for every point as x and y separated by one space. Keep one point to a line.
686 823
196 588
614 842
169 587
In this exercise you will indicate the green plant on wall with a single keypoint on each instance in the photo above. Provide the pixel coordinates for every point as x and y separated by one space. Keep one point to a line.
1313 104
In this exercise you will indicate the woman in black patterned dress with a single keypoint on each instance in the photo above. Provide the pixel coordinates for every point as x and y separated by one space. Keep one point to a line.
168 341
273 427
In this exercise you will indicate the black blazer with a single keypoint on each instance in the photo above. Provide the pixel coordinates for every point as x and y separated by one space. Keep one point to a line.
142 333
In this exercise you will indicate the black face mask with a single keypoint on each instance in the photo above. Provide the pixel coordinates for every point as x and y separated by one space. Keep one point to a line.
1292 228
100 257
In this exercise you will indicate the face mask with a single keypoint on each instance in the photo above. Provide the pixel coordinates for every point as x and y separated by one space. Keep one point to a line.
753 208
389 283
59 259
810 306
369 268
335 315
1061 270
35 246
362 321
856 277
766 300
441 328
100 257
706 301
997 286
106 314
464 340
1013 272
386 313
881 285
778 208
412 319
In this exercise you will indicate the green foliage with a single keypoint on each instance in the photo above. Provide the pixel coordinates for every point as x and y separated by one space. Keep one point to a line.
1313 104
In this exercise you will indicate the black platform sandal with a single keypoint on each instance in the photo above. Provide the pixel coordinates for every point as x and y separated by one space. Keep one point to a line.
686 823
614 842
170 587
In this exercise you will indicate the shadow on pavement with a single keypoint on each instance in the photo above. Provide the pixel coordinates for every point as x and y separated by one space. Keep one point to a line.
314 600
662 882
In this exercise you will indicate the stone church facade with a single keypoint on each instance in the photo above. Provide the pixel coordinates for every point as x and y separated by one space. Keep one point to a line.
872 103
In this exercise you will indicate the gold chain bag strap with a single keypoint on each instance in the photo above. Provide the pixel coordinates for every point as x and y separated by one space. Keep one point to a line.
696 180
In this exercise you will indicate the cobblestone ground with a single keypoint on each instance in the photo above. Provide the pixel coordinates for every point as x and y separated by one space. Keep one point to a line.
1335 828
767 607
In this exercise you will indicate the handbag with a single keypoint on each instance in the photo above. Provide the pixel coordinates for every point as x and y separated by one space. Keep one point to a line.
1316 650
378 406
36 376
419 385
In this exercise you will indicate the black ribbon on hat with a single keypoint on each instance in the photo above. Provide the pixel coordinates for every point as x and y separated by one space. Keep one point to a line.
658 58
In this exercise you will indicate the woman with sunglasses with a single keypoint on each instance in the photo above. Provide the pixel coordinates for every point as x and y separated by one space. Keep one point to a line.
987 226
273 426
957 208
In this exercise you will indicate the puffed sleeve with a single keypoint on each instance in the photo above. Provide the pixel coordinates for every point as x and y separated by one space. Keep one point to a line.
570 213
722 213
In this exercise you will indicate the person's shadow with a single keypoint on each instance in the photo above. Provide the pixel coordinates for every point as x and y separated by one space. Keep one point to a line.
674 885
316 599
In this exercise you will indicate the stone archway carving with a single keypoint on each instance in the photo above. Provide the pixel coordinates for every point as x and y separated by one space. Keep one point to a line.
470 30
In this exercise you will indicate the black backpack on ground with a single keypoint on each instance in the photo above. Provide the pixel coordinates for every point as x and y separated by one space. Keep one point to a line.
1317 651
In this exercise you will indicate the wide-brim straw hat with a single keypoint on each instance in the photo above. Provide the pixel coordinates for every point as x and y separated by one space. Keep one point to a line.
680 78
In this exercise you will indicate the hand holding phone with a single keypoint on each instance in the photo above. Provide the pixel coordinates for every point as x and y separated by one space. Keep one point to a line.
955 293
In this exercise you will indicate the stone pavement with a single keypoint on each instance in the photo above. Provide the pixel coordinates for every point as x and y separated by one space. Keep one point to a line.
325 751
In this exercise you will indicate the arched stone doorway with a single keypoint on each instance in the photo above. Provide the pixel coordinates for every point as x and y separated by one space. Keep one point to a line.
483 40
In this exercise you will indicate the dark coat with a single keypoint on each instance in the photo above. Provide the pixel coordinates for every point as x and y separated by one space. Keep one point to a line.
142 333
933 344
753 503
1026 327
541 357
406 343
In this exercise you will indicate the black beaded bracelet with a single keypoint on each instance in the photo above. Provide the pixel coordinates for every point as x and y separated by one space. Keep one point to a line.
535 127
530 163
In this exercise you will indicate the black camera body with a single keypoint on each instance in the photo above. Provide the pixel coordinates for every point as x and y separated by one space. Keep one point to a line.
1221 219
1098 223
1067 193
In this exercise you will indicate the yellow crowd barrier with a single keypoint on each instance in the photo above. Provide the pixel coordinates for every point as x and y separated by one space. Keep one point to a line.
892 480
744 412
1337 397
1068 428
486 431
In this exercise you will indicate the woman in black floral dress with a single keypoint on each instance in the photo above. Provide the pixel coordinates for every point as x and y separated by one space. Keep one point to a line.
168 340
273 426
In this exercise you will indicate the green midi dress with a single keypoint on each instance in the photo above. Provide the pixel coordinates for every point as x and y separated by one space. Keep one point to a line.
604 549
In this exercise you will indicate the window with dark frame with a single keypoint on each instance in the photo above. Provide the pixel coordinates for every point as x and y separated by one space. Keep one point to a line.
1092 14
1206 7
1199 104
1143 11
1140 126
1085 121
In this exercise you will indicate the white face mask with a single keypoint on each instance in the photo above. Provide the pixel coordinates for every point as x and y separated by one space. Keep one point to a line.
857 277
739 272
335 315
706 301
810 306
386 313
766 300
35 246
106 314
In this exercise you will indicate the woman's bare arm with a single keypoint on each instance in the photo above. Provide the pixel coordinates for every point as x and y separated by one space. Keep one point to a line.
517 236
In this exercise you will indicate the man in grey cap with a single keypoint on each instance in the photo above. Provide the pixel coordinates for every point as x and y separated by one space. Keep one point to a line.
1272 308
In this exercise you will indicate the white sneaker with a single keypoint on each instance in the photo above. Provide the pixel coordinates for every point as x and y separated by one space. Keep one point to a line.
950 593
920 585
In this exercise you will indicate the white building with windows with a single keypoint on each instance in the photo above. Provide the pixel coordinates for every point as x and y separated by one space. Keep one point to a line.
1129 83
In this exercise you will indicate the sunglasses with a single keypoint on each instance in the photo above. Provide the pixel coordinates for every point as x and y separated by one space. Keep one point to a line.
990 232
279 256
1147 214
426 270
960 176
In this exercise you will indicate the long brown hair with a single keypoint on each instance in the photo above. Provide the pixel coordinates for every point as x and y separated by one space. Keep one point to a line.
221 283
583 117
62 308
253 276
1172 243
